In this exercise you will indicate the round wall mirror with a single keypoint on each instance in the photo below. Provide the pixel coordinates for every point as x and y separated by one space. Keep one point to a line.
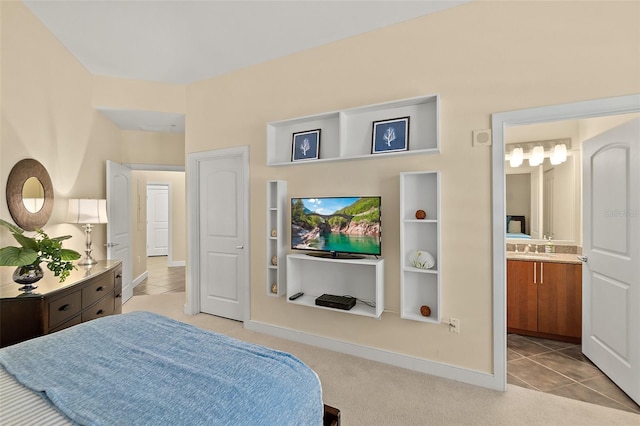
29 194
33 195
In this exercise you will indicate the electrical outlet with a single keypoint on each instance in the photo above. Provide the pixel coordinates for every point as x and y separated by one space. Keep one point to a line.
454 325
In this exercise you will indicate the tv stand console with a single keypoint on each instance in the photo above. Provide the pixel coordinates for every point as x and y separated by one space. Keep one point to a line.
335 255
359 278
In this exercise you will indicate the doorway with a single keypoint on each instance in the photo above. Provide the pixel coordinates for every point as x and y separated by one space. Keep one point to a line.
128 204
604 107
218 233
557 365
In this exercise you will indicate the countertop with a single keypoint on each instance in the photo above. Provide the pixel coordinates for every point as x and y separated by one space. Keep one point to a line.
49 283
544 257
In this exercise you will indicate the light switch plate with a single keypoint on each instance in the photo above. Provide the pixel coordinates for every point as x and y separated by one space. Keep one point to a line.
482 137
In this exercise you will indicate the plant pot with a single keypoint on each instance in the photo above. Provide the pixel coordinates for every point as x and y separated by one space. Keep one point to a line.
28 275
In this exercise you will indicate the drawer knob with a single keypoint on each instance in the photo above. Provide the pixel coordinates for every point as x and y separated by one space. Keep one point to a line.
119 276
100 312
119 295
64 307
100 288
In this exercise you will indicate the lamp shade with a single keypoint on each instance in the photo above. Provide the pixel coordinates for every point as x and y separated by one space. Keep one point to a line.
87 211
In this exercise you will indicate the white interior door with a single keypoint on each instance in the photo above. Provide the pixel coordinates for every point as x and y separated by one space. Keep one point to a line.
223 233
611 270
119 225
157 220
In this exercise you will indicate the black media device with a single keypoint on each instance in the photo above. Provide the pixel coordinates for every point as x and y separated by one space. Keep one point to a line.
295 296
336 302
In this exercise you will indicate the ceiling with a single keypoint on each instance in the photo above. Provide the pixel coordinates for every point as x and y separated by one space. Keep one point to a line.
184 41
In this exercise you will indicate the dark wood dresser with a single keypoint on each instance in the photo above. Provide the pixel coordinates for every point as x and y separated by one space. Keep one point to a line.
88 293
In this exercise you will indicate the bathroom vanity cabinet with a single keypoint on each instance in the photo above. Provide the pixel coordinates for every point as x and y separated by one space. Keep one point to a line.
544 299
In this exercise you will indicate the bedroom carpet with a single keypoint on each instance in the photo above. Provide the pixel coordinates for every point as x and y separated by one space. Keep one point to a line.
372 393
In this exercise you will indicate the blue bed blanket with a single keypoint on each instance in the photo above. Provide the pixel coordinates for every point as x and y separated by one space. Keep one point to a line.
141 368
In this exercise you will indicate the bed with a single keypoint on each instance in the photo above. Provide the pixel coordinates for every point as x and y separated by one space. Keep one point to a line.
516 227
160 371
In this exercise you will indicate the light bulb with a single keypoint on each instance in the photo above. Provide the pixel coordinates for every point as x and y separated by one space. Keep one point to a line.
559 154
537 156
517 157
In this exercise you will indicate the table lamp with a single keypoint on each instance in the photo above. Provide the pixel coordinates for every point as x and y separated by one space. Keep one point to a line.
87 212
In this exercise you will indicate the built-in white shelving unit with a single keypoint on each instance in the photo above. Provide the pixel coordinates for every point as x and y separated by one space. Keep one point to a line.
276 247
420 287
347 134
360 278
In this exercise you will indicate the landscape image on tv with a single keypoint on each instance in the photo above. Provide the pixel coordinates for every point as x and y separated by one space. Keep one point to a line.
336 224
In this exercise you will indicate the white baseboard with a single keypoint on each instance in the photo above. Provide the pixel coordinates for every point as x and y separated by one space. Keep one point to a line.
175 263
392 358
140 278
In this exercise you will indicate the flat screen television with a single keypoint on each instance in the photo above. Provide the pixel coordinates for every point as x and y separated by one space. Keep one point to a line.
337 226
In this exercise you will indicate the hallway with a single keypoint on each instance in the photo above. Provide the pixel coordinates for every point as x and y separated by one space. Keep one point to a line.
161 278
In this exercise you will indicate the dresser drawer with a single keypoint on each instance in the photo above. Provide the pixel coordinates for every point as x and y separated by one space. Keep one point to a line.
103 308
97 290
74 321
64 308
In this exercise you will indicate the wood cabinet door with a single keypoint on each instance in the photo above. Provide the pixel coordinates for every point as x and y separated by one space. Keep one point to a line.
522 295
560 299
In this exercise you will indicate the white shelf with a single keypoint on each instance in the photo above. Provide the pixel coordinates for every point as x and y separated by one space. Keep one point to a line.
314 276
418 287
346 134
276 246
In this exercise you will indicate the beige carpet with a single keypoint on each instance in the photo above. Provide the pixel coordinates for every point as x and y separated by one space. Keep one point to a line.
371 393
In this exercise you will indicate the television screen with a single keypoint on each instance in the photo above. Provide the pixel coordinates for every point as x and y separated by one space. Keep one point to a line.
336 225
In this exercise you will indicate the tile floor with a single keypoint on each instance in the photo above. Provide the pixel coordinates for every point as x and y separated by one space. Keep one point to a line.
161 278
540 364
561 369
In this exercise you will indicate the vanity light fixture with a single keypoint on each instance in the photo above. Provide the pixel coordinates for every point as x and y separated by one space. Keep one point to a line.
537 155
87 212
536 151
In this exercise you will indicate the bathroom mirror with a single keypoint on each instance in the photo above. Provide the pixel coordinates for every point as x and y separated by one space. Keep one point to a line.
548 197
29 194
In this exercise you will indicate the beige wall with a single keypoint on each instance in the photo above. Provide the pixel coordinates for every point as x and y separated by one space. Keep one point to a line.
47 115
123 93
153 148
482 58
177 199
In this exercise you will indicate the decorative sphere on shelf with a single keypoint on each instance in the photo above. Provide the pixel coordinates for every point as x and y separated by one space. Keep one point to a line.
421 214
274 232
422 259
274 260
274 288
425 311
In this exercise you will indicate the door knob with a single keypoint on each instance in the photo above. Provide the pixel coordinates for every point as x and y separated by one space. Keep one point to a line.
111 244
582 259
239 247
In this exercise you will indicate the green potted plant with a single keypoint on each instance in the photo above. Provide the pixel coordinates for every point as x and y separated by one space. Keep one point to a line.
33 251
